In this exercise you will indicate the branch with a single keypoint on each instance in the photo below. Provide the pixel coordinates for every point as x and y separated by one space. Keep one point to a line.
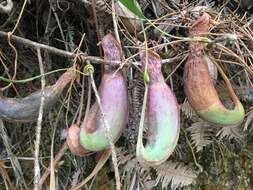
38 129
57 159
63 53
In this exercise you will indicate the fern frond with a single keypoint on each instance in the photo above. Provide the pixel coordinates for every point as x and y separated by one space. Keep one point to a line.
230 132
130 170
123 156
200 133
174 173
245 93
248 120
137 94
187 109
179 151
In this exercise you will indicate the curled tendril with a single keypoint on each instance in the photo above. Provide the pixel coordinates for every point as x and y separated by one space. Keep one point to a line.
88 69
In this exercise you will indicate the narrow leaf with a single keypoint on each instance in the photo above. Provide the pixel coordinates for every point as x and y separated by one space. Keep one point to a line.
133 6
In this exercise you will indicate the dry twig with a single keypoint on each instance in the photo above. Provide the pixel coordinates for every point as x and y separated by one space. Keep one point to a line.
68 54
38 129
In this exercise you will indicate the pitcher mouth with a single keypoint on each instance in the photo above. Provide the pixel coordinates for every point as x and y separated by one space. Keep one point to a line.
218 114
161 110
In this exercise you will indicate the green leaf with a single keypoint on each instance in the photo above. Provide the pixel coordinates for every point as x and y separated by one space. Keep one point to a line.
134 7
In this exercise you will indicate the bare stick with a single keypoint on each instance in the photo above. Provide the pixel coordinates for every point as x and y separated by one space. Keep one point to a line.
56 161
14 160
115 22
58 23
68 54
36 45
38 129
19 17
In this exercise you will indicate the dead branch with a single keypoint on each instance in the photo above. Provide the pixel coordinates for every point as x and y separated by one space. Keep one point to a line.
68 54
56 161
39 125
